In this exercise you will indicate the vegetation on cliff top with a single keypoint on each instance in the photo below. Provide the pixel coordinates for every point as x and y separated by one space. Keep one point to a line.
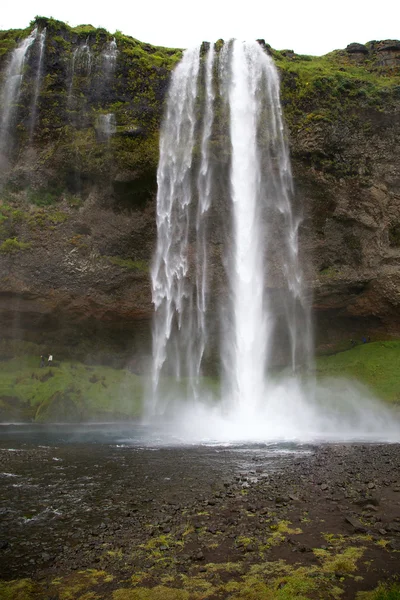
74 96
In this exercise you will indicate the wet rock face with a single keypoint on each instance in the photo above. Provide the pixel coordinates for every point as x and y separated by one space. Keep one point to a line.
78 209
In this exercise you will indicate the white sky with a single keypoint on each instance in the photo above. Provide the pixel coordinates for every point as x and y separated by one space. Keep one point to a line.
306 26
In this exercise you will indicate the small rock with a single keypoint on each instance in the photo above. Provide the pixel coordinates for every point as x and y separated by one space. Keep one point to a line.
358 527
394 545
324 487
371 486
393 527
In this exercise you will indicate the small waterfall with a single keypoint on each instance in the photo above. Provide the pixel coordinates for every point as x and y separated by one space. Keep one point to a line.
10 95
38 81
266 305
109 56
81 63
106 127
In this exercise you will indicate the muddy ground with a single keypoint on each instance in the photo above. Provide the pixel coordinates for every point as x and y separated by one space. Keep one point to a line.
94 521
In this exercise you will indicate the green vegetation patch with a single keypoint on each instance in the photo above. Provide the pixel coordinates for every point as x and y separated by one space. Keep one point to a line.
128 263
13 246
375 364
67 391
382 592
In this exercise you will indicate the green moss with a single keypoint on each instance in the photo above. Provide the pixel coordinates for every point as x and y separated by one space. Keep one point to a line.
375 364
13 246
23 589
128 263
329 272
44 218
394 235
159 592
382 592
343 562
279 532
43 197
68 390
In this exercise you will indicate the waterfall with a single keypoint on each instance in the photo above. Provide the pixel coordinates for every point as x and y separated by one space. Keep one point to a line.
204 200
174 336
82 63
11 92
110 57
106 126
38 80
265 307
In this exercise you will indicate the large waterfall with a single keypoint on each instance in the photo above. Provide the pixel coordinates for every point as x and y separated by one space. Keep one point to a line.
226 103
227 281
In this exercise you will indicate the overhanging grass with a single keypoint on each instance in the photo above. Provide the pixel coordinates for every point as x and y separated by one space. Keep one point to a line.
376 364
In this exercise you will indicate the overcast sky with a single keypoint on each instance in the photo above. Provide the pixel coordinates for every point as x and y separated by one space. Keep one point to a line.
306 26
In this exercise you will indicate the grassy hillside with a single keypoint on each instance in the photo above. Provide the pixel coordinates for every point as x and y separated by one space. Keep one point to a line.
376 364
67 391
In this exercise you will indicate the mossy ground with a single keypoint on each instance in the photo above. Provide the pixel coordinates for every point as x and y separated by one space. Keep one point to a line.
275 580
67 391
73 391
375 364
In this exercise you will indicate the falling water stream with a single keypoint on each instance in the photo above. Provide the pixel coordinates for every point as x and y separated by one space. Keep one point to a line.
260 185
38 80
223 108
11 92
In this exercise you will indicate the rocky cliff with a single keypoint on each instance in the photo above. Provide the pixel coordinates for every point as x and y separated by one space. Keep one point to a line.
78 186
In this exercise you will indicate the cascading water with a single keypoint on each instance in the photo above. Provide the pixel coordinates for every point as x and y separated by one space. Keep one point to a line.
110 57
38 80
11 92
174 335
260 187
81 62
228 245
260 182
106 126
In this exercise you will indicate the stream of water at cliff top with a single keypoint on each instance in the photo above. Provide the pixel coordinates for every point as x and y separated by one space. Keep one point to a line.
10 95
227 278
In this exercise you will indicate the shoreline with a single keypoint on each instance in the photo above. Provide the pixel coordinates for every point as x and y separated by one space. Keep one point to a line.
330 518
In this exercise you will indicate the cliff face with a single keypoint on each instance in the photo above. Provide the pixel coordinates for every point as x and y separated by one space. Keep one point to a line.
77 213
345 133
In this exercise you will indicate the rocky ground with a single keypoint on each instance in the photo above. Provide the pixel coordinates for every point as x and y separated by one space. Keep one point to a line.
198 523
